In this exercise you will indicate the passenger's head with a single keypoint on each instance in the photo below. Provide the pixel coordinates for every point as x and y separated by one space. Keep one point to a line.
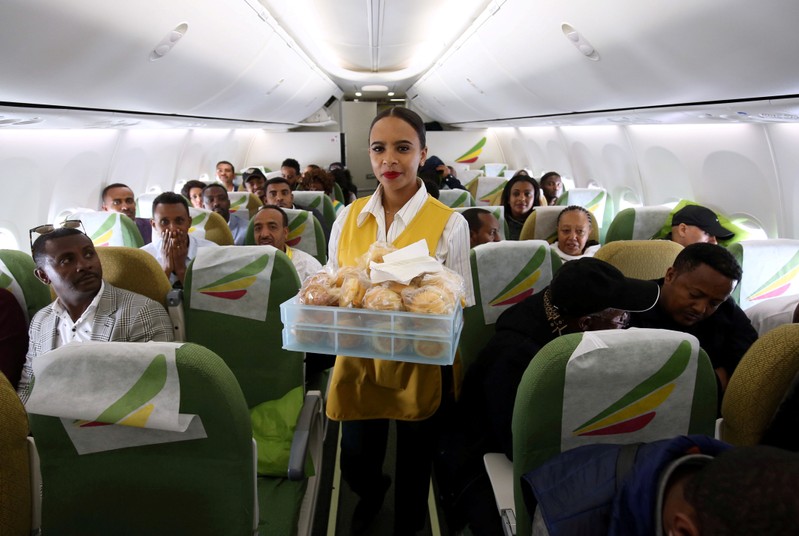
435 165
290 169
694 223
278 192
317 180
700 280
118 197
334 166
588 294
743 491
193 191
215 198
520 196
551 185
270 227
171 213
574 227
397 147
66 259
483 226
225 172
254 181
310 167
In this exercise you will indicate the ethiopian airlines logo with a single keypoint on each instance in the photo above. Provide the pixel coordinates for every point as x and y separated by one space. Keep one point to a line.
636 409
296 228
779 283
234 286
5 280
522 285
197 220
490 197
103 234
472 154
596 203
461 200
134 407
238 203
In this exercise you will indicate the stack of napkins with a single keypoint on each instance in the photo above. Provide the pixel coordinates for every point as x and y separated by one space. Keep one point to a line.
404 264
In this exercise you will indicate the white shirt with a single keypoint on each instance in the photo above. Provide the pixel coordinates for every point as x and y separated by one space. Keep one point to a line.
238 228
452 249
305 264
80 330
154 249
589 252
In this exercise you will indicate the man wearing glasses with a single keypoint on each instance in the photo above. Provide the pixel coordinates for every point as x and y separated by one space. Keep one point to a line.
86 308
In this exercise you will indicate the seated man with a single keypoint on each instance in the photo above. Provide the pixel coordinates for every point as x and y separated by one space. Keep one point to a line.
695 298
290 169
193 191
694 223
226 174
279 192
86 308
483 226
270 227
172 246
216 199
687 485
13 337
255 182
444 174
551 187
118 197
585 295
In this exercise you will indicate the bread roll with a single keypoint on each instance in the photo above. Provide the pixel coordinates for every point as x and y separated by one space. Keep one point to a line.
352 292
428 300
380 298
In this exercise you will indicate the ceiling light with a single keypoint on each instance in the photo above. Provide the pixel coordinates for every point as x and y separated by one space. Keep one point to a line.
375 87
390 93
358 94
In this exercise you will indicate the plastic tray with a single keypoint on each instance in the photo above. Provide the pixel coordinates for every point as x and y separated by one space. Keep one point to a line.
397 336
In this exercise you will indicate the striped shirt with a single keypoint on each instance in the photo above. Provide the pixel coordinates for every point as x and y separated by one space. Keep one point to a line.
452 249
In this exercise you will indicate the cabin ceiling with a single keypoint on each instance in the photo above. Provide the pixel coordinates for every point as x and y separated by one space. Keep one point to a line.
465 63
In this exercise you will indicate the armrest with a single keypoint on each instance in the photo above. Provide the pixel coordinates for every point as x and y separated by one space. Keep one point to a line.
500 473
310 416
174 301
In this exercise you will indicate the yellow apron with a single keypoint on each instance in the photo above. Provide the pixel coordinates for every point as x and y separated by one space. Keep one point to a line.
376 388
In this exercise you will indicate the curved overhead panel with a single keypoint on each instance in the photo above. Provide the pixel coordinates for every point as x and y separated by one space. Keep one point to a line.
97 54
681 52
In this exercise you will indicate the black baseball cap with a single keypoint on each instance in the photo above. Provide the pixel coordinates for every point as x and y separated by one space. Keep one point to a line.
249 173
701 217
587 285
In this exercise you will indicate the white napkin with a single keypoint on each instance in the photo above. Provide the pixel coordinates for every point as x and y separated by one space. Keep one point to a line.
404 264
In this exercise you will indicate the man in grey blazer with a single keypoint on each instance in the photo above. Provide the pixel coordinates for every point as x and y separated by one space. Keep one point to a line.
86 308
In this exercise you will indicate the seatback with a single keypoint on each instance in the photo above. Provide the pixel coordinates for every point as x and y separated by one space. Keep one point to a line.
144 204
16 276
338 193
15 469
761 383
542 224
110 229
486 190
238 290
770 269
616 386
305 234
244 201
456 198
135 270
198 486
595 200
211 226
498 211
638 223
495 169
317 201
503 273
641 259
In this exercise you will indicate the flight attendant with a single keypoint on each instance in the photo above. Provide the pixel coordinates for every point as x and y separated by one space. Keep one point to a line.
365 394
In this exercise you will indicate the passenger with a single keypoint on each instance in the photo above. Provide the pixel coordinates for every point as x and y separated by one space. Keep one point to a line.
13 337
443 173
216 199
119 197
694 223
319 180
688 485
334 166
585 295
86 308
483 226
695 298
520 196
255 182
279 192
552 187
365 393
173 247
193 191
226 174
310 167
343 178
290 169
270 227
574 227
